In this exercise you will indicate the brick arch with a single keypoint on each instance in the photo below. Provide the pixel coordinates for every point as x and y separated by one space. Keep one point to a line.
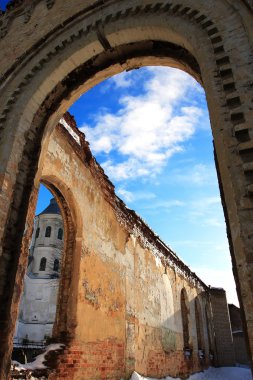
51 70
66 306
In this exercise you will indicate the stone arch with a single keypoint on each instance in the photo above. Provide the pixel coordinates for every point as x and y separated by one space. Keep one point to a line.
97 41
65 310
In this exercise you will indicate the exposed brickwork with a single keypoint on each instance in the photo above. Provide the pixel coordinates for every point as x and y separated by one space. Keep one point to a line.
161 363
94 360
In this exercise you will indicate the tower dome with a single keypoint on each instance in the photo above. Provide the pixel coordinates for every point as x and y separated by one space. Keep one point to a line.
52 208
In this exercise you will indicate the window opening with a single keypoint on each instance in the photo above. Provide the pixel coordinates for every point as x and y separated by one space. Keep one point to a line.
60 233
43 263
48 231
56 265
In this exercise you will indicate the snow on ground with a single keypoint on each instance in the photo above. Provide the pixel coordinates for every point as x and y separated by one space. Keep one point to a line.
224 373
136 376
38 363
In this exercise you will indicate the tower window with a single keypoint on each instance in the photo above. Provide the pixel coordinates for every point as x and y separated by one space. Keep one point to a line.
60 234
37 232
48 231
56 265
43 263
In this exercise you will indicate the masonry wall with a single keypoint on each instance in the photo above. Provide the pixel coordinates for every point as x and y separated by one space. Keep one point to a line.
224 355
128 312
239 342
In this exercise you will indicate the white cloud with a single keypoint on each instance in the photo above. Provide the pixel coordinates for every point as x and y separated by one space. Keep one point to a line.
206 211
146 130
164 204
205 205
123 80
198 174
213 221
192 243
128 196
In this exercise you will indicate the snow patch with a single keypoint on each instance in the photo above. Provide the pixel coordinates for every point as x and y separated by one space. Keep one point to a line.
38 363
136 376
223 373
70 130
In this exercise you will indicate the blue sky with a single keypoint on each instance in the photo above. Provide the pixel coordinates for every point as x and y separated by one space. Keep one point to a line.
3 4
150 130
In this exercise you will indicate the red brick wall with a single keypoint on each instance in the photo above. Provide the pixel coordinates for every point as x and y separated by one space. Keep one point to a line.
94 360
162 363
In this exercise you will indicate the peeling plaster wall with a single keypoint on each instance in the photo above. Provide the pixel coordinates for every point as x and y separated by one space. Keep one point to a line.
128 314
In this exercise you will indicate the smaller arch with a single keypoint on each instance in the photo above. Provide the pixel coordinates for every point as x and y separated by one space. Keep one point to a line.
60 234
199 326
43 263
37 232
185 318
48 231
56 265
64 318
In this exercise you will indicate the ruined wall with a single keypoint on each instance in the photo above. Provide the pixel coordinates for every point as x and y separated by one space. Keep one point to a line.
224 353
240 348
51 53
128 314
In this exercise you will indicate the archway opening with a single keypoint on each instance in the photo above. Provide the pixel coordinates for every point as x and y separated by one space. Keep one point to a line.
37 310
43 301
